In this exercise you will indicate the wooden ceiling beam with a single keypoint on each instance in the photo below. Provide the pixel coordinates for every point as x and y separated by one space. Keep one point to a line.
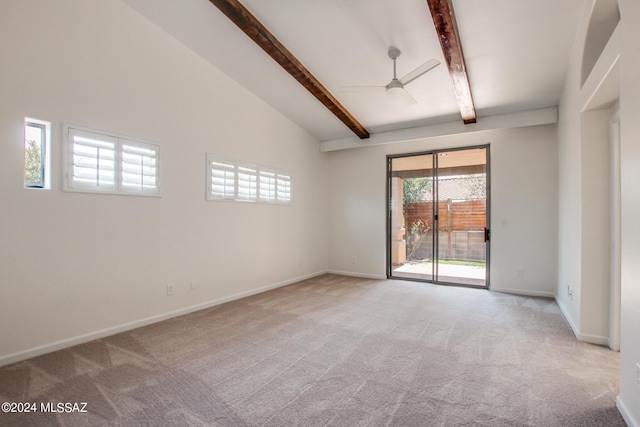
447 30
253 28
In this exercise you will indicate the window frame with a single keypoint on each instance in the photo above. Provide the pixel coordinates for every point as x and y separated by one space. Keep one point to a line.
120 152
45 149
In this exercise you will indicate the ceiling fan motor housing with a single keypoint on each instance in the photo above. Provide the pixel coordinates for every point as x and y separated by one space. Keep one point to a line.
394 52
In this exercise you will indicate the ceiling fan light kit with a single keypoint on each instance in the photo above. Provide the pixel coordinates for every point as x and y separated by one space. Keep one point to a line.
394 88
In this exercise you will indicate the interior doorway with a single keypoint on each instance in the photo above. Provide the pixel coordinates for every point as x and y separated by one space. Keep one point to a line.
438 215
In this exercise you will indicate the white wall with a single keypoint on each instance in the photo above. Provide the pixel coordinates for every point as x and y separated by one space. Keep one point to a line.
74 266
629 398
570 197
585 191
596 230
523 206
584 197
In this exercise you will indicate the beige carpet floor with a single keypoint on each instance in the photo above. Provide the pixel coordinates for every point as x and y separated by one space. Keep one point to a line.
333 351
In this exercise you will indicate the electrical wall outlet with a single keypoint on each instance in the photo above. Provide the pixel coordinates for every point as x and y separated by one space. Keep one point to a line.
170 289
194 284
354 260
520 273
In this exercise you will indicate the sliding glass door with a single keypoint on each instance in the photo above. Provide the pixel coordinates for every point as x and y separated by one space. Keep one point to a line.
438 211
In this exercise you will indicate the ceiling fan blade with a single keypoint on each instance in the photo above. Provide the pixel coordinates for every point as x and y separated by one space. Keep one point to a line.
403 95
427 66
360 89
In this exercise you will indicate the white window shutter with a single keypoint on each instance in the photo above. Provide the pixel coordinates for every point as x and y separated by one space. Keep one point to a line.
139 167
229 179
283 188
267 188
222 176
247 188
92 161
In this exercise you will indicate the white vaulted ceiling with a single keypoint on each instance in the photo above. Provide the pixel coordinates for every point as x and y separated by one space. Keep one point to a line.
516 54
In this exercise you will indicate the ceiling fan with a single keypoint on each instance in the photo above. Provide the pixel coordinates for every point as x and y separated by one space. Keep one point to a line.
396 86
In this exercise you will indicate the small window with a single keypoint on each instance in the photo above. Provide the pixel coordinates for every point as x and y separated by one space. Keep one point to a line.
36 153
100 163
229 179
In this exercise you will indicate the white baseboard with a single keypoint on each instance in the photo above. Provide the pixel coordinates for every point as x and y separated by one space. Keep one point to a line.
356 274
524 292
69 342
626 415
565 312
592 339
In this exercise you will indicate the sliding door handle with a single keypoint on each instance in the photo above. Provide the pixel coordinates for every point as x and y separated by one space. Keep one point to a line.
487 234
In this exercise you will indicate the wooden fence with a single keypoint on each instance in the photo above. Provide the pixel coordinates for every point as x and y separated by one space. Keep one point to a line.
466 215
461 230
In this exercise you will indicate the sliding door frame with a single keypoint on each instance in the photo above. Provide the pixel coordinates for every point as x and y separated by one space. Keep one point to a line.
436 202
